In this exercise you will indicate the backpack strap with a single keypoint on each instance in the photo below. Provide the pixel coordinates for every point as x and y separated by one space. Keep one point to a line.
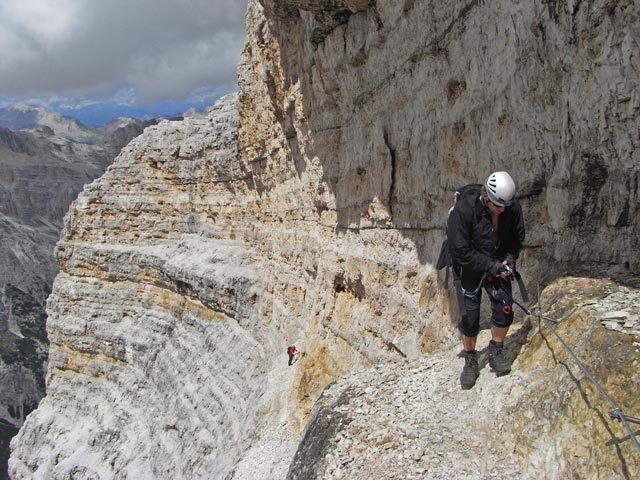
457 284
446 277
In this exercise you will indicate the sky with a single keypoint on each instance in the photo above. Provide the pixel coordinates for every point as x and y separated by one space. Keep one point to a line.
99 59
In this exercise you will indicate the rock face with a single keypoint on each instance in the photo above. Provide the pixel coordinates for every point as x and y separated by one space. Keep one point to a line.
41 171
404 102
309 210
172 296
545 419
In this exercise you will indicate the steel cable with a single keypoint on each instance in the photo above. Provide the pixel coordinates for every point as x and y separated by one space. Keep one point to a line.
616 413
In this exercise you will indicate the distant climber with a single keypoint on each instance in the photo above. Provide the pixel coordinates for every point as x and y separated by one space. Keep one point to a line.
485 233
293 353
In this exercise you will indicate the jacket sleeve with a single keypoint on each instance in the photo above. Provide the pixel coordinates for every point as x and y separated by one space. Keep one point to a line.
517 234
463 253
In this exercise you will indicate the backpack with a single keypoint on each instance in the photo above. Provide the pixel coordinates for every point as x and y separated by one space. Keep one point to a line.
446 261
444 257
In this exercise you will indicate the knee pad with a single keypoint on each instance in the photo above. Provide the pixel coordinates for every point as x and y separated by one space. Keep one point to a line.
501 315
469 324
468 328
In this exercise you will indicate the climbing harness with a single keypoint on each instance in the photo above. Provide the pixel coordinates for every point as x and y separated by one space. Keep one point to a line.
499 294
616 413
461 292
502 295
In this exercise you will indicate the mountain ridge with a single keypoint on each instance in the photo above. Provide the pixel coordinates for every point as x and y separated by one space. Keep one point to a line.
42 169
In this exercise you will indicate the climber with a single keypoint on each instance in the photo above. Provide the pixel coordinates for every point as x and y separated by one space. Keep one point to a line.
485 233
293 354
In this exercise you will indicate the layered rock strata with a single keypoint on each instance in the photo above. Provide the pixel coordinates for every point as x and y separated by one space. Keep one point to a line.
42 170
313 216
156 317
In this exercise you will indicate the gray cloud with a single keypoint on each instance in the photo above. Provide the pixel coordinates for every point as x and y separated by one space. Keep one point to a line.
163 49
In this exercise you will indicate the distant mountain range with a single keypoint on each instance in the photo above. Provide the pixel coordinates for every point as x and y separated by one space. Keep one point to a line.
99 114
23 117
27 117
45 160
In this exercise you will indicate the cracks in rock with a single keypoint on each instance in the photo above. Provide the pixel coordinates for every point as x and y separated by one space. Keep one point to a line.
354 287
552 7
574 22
537 187
408 6
610 7
434 49
567 128
455 88
328 21
392 347
515 31
464 13
576 9
596 174
624 218
273 94
281 10
393 159
376 16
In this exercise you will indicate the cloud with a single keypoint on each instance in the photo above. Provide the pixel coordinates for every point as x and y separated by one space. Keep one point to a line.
159 49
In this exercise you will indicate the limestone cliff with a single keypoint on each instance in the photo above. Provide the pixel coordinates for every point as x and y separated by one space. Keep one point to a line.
160 316
308 209
42 169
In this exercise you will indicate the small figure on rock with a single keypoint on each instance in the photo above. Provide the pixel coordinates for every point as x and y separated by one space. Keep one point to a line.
485 233
293 353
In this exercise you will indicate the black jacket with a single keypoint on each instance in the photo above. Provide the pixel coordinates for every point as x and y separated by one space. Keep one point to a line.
469 233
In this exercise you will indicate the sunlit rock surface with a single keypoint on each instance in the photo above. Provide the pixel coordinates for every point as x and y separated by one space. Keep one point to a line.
42 169
545 419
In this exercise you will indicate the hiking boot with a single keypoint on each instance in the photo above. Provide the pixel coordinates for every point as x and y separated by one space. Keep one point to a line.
470 372
497 361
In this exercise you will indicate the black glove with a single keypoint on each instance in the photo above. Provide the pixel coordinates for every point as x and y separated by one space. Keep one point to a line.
511 262
496 269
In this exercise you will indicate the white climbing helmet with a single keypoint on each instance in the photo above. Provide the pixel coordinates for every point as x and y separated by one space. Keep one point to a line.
500 188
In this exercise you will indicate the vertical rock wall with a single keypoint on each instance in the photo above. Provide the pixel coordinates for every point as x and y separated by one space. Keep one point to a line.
402 102
371 114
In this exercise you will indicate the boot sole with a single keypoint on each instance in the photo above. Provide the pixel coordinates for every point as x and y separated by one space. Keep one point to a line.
466 386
